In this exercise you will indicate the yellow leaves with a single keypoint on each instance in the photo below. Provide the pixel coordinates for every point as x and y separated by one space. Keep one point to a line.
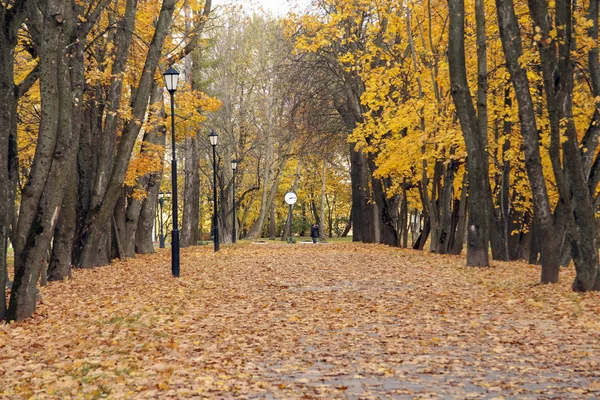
346 58
192 107
95 77
149 160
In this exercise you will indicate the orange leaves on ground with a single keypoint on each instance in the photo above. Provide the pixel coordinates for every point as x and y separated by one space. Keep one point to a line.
305 321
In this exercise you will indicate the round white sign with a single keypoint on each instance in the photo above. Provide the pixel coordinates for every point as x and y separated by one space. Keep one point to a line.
290 197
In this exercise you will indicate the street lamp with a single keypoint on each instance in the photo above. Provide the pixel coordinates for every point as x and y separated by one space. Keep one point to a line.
161 236
214 138
171 79
234 165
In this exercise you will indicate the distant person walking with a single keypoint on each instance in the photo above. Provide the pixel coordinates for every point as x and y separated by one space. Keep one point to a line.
314 232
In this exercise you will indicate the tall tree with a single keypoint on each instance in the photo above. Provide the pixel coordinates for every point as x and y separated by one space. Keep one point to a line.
43 194
12 16
544 220
558 69
103 201
475 140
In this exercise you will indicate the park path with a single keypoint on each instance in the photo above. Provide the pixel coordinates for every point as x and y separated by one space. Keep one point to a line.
305 321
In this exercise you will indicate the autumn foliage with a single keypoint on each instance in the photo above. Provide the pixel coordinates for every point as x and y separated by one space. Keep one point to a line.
304 321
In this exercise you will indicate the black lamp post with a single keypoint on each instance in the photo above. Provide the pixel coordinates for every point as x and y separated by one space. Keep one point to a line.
214 138
234 165
171 79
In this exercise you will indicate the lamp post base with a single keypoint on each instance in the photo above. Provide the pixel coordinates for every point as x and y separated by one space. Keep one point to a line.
216 240
175 253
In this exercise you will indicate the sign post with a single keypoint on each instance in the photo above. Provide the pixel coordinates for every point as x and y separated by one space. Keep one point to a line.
290 198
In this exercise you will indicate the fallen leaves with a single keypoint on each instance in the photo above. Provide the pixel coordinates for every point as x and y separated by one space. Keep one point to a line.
344 320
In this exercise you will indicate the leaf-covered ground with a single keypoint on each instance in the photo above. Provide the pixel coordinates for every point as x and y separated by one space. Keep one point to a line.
305 321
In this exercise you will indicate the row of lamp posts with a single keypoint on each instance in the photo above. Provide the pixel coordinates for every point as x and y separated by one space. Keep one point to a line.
171 77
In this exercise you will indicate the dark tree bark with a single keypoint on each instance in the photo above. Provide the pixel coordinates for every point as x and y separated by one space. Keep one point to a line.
11 19
404 217
387 208
64 236
544 223
459 236
108 139
118 228
362 211
477 163
584 246
224 209
500 237
423 235
144 243
445 231
44 191
555 46
103 205
348 225
60 261
98 139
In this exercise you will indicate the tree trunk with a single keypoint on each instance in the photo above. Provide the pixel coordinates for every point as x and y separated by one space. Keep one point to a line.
584 246
272 223
423 235
544 225
101 210
404 219
269 192
330 212
477 163
505 209
459 236
256 229
10 20
64 237
348 225
191 193
62 249
446 234
144 243
191 189
118 228
45 188
322 209
362 210
432 203
385 208
106 150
